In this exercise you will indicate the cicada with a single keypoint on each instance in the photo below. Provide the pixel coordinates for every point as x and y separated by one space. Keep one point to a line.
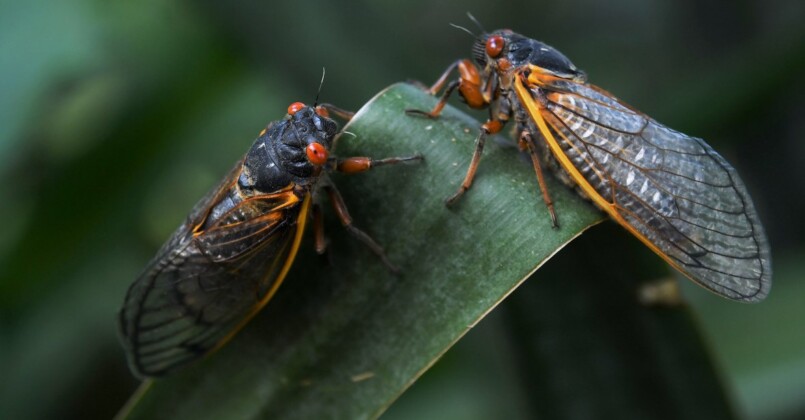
229 257
670 190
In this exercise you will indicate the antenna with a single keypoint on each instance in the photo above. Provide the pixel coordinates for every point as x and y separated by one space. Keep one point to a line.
475 21
464 29
321 83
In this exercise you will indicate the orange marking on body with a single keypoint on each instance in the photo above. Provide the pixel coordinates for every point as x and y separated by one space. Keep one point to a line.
539 77
300 229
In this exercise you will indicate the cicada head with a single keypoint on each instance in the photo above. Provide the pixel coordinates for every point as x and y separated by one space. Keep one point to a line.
292 150
504 50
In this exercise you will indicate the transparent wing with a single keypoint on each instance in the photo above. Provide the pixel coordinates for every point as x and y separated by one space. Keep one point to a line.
672 191
204 284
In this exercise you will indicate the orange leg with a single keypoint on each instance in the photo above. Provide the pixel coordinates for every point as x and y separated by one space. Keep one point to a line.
346 220
434 113
350 166
489 127
468 84
437 86
527 141
318 230
326 109
355 165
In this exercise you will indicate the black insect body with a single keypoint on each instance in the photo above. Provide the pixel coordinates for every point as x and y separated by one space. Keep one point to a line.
670 190
227 260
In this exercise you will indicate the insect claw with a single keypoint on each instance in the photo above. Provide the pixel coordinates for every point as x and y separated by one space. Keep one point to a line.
420 113
554 222
452 200
554 219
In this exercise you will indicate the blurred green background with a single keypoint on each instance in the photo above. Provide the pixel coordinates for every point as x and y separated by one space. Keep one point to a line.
117 116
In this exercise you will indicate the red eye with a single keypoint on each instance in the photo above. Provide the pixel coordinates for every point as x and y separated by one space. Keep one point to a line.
295 107
316 154
494 45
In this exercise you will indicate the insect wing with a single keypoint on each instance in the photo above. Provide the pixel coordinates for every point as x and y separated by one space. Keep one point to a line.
204 284
672 191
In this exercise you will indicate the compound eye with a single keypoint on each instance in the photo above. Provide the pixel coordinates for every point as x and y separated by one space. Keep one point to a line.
316 154
295 107
494 45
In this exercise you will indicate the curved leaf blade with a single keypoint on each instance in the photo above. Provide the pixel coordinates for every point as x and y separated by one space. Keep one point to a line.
346 340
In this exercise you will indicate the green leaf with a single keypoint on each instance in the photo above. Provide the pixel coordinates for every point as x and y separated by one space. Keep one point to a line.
589 347
576 342
346 340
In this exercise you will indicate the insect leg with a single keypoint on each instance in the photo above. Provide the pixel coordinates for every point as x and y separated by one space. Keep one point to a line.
326 109
468 84
434 113
354 165
346 220
499 115
489 127
528 141
437 86
318 230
